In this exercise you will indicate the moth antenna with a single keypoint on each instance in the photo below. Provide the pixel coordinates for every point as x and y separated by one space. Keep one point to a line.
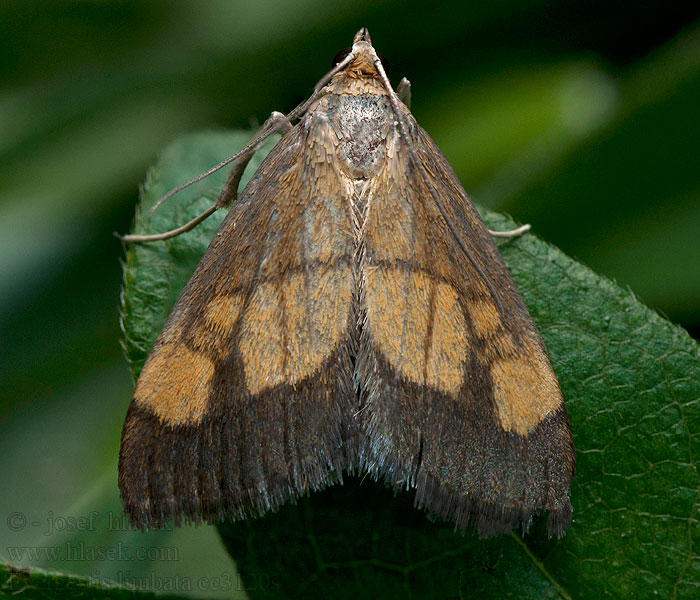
294 114
403 130
274 127
173 232
229 193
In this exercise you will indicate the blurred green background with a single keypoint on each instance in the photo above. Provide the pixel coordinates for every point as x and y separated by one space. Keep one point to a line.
582 119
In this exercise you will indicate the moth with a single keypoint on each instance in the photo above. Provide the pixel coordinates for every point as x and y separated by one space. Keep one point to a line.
351 315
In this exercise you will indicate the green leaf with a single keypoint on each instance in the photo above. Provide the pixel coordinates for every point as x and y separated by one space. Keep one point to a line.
37 583
631 381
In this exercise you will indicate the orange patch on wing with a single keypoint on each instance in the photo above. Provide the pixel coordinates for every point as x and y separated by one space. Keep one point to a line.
487 324
174 384
222 313
449 341
220 318
485 318
290 330
261 343
525 389
398 313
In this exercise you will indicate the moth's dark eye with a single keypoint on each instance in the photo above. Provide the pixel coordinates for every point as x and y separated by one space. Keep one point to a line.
341 56
384 61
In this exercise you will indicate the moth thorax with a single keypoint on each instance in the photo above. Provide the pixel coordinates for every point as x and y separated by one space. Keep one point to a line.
365 122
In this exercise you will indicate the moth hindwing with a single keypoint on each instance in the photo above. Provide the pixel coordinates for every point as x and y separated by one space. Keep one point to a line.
352 314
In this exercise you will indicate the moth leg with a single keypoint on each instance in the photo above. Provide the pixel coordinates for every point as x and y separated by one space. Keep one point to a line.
403 91
518 231
230 191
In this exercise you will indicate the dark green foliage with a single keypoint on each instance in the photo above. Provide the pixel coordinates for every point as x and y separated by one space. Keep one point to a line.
29 584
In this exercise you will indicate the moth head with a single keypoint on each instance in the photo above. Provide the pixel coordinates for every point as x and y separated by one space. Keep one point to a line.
361 58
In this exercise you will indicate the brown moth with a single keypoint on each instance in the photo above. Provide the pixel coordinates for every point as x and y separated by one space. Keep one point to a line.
352 314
